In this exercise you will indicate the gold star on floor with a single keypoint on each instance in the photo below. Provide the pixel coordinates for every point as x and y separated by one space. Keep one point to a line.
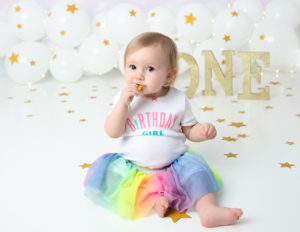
153 14
98 24
32 63
237 124
13 58
82 120
63 94
70 111
28 101
10 98
33 90
298 115
242 135
19 26
286 165
175 215
234 13
84 165
72 8
207 108
242 112
289 95
234 101
268 107
190 19
29 116
62 33
93 97
54 57
220 120
231 155
226 38
289 88
229 139
132 13
17 9
290 143
106 42
49 14
262 37
63 101
274 83
114 87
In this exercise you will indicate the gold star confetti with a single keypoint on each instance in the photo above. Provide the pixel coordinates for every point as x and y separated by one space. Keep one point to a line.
32 63
19 26
49 14
234 101
286 165
70 111
220 120
229 139
176 39
63 87
94 90
72 8
28 101
106 42
62 33
10 98
231 155
17 9
226 38
242 112
33 90
289 95
93 97
111 104
54 57
298 115
83 120
289 88
114 87
94 86
98 24
237 124
234 13
242 135
207 108
84 165
63 94
132 13
13 58
63 101
175 215
190 19
268 107
29 116
274 83
290 143
223 62
153 14
262 37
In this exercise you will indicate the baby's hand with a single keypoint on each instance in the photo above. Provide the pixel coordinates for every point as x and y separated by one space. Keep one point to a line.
130 91
208 130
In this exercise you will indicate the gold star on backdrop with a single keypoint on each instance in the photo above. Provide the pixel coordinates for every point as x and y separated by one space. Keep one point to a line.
175 215
19 26
84 165
153 14
13 58
231 155
72 8
262 37
290 143
54 57
49 14
190 19
98 24
106 42
226 38
237 124
223 62
242 135
298 115
220 120
286 165
229 139
234 13
32 63
17 9
62 33
207 108
132 13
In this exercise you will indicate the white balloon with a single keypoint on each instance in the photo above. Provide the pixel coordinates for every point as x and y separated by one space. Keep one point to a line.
121 60
7 39
194 22
98 54
65 65
297 60
67 24
234 27
99 24
27 62
278 39
183 46
216 6
254 8
284 11
162 20
125 21
27 20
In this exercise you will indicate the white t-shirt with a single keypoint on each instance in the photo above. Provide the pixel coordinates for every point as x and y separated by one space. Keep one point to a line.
153 137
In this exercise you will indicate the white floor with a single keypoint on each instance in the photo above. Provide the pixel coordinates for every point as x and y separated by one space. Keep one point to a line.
42 146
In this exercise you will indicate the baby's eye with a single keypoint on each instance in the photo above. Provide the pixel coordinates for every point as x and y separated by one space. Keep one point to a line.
150 69
132 66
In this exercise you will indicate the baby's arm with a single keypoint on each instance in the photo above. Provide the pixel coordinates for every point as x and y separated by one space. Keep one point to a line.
115 123
200 132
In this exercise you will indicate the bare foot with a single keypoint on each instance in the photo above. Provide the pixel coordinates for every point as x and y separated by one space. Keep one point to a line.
213 216
161 206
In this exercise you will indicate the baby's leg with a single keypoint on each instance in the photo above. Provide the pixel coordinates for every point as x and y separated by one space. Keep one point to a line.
161 206
212 215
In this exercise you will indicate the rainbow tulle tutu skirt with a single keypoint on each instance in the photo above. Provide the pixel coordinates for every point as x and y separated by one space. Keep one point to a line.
117 185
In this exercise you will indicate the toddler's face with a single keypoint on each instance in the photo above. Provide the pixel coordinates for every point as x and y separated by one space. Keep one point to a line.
149 64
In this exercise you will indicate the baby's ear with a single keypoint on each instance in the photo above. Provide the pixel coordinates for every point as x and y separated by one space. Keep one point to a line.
172 75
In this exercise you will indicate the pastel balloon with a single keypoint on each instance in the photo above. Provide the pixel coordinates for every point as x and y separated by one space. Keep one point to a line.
7 39
254 9
98 54
65 65
67 25
27 62
27 20
99 24
194 22
183 46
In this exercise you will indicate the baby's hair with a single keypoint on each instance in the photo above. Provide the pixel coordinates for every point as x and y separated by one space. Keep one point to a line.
152 38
